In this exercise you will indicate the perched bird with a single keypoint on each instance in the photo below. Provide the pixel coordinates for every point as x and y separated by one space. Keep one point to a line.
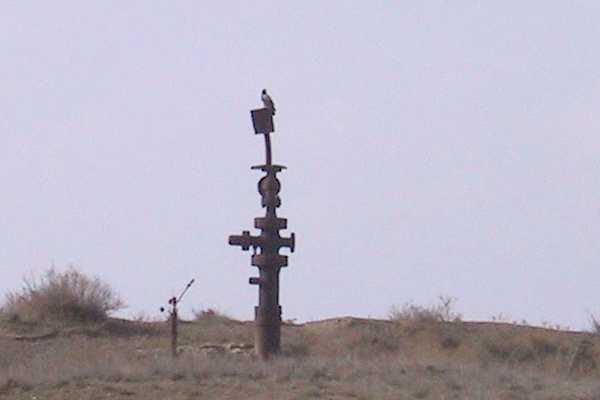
267 101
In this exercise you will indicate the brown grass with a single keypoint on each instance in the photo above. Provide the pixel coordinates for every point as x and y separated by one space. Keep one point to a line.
332 359
119 369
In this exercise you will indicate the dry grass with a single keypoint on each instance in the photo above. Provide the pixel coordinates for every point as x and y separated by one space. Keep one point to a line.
332 359
211 326
118 368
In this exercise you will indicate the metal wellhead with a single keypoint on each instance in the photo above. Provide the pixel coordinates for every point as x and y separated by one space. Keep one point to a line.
266 245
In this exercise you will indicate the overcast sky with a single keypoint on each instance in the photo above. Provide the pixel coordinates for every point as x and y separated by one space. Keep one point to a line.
433 148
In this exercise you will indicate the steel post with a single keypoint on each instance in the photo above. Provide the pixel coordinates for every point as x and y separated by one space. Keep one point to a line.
174 321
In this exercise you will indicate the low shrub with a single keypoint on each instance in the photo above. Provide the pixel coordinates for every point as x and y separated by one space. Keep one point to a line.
451 335
543 346
210 315
441 312
505 348
62 296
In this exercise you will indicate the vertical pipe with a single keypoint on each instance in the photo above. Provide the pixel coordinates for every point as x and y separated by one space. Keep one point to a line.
174 318
268 148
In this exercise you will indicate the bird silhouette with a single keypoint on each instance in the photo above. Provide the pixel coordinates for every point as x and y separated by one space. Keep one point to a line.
267 101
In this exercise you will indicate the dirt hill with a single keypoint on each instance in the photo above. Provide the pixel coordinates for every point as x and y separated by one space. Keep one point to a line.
341 358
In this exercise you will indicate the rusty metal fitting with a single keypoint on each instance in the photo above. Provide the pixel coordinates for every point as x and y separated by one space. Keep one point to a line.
269 260
256 281
245 240
288 242
270 223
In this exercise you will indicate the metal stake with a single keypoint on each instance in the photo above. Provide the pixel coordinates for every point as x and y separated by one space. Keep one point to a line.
174 321
174 317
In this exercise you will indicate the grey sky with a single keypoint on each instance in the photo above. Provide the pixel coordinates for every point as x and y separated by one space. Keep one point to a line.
442 147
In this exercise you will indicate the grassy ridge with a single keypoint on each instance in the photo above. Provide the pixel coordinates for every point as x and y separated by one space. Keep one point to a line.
337 358
57 341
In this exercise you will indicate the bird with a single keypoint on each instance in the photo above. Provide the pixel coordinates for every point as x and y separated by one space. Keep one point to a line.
267 101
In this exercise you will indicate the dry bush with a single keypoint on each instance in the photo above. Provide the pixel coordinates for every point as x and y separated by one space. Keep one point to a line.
441 312
451 335
544 347
507 348
210 315
62 296
440 318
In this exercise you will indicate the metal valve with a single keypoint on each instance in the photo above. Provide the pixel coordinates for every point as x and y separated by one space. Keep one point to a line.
245 240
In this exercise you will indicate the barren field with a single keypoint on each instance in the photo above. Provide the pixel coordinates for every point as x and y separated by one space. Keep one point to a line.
344 358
